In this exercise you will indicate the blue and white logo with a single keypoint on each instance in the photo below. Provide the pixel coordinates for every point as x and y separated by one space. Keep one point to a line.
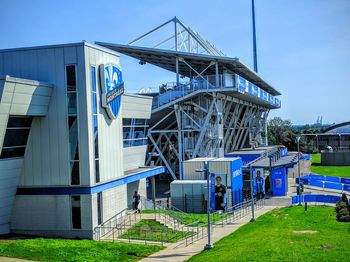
112 86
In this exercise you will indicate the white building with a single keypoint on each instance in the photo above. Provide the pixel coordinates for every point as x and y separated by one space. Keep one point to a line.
66 165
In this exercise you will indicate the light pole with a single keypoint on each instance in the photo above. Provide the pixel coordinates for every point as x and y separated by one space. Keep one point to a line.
205 170
299 184
252 193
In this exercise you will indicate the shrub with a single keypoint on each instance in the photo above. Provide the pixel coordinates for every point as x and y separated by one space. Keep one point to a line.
343 215
339 205
343 209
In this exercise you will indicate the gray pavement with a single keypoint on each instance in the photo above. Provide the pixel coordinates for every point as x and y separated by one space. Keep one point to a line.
176 252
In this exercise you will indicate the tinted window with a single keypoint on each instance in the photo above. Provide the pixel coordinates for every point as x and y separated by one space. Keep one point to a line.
19 122
76 212
71 78
75 178
12 152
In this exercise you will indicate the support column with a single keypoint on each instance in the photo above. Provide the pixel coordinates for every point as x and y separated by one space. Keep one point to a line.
220 124
217 80
177 72
179 138
154 192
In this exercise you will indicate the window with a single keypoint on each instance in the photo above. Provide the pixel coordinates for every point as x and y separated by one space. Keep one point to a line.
16 137
134 132
99 208
95 122
76 212
73 128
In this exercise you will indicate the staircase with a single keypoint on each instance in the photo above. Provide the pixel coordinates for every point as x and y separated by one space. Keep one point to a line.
115 227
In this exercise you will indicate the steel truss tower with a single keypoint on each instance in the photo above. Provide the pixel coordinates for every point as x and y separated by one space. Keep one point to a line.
216 104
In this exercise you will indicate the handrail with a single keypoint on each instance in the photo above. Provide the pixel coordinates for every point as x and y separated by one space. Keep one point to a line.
174 90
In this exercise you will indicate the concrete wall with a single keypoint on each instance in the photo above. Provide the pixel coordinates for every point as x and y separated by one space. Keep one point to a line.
140 187
50 216
114 200
335 158
9 176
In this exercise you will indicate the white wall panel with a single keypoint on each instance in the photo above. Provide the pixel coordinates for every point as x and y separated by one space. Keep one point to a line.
134 157
136 106
9 176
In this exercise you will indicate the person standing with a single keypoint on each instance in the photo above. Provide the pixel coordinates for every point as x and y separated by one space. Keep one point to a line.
260 185
136 202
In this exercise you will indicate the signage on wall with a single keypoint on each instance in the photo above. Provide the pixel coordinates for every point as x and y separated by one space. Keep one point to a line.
218 188
112 87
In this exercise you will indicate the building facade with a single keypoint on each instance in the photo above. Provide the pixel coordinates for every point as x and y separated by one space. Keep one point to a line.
72 144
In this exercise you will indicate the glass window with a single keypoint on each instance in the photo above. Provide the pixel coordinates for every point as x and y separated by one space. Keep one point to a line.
97 171
16 137
95 122
76 212
134 132
73 138
74 169
126 121
72 103
71 78
99 208
93 79
19 122
12 152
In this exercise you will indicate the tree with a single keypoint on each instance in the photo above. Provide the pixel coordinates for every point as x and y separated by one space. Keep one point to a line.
280 132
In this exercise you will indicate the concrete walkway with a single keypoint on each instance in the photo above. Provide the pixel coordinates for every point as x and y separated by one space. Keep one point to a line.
176 252
8 259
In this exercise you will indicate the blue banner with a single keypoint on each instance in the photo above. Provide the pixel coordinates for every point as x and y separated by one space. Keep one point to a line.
212 191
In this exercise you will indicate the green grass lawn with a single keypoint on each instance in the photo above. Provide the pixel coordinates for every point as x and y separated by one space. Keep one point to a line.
148 229
193 219
278 236
42 249
342 171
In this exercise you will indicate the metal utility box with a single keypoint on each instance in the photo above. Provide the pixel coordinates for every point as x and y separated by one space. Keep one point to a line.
189 195
229 169
190 167
279 182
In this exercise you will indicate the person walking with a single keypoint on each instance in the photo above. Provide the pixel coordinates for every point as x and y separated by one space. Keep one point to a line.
136 202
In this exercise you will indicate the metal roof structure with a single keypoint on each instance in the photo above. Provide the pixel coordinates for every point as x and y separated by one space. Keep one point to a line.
291 159
166 59
216 105
341 128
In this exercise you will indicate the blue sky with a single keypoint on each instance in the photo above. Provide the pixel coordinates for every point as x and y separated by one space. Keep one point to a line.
303 45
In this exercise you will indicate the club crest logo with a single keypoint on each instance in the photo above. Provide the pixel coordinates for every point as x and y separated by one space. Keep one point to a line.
112 87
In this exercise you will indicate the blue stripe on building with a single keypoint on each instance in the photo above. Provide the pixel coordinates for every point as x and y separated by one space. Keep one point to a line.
88 190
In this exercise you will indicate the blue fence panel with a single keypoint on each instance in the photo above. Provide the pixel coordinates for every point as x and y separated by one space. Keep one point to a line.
332 179
316 198
336 186
347 188
322 198
316 177
345 180
316 183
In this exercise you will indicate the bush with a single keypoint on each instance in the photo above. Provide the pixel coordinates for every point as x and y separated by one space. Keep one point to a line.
343 209
339 205
343 215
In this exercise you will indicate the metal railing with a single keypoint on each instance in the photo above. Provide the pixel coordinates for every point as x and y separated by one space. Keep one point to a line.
103 229
121 226
171 91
